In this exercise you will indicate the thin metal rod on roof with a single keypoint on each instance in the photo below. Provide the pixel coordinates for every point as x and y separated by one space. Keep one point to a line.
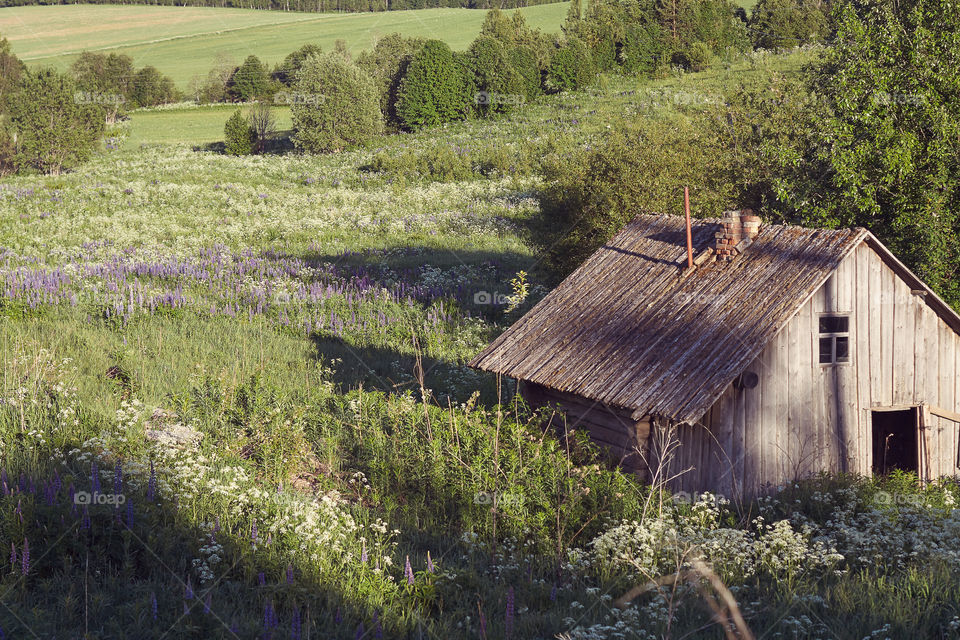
686 208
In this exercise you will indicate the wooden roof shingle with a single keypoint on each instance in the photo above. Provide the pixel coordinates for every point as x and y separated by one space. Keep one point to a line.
630 328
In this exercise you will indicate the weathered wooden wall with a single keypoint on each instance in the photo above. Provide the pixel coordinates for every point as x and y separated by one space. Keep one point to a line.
611 427
803 417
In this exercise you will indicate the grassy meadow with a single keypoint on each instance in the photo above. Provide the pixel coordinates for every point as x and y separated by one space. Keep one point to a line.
234 403
183 42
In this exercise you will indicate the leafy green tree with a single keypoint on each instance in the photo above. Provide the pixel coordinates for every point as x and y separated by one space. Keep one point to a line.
642 49
571 68
286 72
239 136
150 88
340 105
251 81
215 87
387 64
788 23
53 129
641 167
524 61
104 79
11 69
11 72
892 79
434 90
498 85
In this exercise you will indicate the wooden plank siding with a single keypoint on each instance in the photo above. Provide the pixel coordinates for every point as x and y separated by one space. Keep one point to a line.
804 417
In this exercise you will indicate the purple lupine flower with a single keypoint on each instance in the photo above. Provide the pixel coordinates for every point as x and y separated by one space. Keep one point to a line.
95 478
363 553
85 523
408 571
151 484
216 525
269 617
118 479
553 593
153 605
261 579
253 532
289 574
295 624
509 616
25 557
377 627
188 590
337 617
430 566
360 632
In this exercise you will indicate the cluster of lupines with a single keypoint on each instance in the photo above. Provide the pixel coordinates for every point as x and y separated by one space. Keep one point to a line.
366 304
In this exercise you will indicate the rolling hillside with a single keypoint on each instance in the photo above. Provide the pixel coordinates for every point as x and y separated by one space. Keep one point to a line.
183 42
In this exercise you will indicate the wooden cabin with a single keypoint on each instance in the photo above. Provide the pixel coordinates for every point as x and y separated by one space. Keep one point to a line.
782 352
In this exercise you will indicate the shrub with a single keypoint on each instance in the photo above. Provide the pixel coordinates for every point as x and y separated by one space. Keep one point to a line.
434 90
787 23
387 64
696 57
524 61
571 68
642 168
53 129
342 106
497 84
239 136
642 49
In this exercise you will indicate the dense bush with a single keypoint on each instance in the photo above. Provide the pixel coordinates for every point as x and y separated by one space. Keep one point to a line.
498 86
239 136
53 129
778 24
641 167
387 64
435 88
339 105
571 68
524 61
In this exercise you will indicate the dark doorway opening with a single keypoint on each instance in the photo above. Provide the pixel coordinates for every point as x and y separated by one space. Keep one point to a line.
895 441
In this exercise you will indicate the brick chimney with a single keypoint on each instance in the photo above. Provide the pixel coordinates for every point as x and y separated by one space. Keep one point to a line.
738 232
749 223
729 237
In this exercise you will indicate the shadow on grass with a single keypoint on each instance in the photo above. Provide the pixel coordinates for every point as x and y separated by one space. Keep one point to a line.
134 569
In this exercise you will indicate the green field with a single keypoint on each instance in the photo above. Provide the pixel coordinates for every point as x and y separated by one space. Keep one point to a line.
184 42
199 125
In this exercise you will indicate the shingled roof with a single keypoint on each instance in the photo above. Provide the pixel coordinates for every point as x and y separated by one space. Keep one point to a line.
632 328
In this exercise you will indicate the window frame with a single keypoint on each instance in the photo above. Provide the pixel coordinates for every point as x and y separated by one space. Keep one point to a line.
833 336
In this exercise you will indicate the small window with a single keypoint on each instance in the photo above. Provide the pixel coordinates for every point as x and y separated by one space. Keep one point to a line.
834 339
